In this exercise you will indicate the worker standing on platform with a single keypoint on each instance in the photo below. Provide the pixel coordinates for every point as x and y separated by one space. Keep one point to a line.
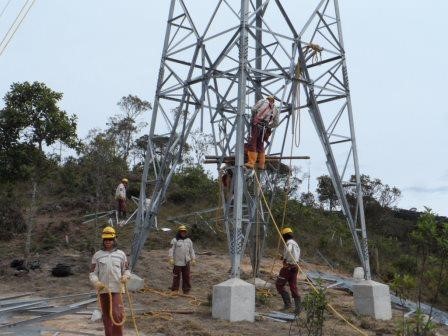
120 196
288 273
264 118
181 254
108 274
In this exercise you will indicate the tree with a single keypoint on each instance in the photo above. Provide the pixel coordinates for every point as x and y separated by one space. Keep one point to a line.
100 167
430 242
375 192
32 116
326 192
307 199
389 196
123 128
200 144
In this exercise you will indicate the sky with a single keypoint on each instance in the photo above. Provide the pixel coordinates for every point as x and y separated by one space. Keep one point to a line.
96 51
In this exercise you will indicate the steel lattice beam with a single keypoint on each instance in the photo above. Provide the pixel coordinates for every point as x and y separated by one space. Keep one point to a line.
213 68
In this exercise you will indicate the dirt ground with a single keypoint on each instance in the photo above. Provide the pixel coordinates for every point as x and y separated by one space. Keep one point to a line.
195 317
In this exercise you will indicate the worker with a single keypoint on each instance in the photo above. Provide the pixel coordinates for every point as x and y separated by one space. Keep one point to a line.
288 273
108 274
181 254
264 118
226 181
120 196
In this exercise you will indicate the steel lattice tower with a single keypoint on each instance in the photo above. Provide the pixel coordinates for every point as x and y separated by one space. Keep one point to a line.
215 65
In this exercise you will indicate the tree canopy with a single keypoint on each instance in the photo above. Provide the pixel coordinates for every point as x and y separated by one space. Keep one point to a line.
31 117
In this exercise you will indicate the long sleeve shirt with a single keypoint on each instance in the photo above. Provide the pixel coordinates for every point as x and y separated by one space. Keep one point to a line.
265 112
181 251
291 254
120 193
109 267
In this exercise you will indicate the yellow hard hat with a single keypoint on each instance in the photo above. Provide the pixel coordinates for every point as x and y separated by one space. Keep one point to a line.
182 228
271 97
286 230
108 233
124 180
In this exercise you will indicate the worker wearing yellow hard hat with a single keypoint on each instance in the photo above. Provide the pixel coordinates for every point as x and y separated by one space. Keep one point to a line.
120 196
181 255
108 271
108 233
288 273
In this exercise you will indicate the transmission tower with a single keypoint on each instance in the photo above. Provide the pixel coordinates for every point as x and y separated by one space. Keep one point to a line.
219 57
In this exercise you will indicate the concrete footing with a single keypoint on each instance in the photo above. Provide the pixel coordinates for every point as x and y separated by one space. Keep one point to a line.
135 283
234 300
260 283
373 299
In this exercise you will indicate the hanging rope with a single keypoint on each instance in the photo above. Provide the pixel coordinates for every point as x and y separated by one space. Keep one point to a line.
315 50
331 308
131 308
285 206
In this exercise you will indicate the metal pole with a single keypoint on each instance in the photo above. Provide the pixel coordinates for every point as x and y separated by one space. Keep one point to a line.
258 50
239 152
364 244
139 221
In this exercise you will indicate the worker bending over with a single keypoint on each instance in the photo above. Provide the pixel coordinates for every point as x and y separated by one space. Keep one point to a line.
264 118
109 272
181 254
288 273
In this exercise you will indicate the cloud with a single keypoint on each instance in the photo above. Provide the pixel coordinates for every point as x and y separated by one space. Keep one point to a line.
427 190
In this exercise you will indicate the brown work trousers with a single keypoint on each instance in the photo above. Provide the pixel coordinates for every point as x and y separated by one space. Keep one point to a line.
110 329
288 274
257 134
183 271
122 209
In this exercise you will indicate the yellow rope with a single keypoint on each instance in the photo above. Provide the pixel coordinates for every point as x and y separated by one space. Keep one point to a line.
316 51
124 312
285 206
300 268
110 307
131 308
194 301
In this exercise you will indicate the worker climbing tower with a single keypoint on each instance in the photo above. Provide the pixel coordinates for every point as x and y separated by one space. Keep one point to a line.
219 58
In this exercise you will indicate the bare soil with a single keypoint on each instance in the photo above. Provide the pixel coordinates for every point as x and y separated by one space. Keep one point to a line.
192 313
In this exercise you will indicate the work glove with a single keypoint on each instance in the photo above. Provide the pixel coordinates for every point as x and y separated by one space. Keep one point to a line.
193 262
171 262
124 278
99 286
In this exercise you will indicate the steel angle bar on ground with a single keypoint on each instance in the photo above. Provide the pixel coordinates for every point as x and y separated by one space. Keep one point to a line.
21 306
68 309
9 303
15 296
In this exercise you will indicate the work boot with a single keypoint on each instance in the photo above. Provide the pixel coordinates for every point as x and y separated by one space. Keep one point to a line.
297 307
251 159
261 161
286 300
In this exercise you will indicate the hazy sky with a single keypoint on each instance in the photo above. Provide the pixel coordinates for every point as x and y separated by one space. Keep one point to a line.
96 51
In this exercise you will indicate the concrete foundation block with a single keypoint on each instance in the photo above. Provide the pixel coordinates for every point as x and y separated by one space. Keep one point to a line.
373 299
260 283
234 300
135 283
